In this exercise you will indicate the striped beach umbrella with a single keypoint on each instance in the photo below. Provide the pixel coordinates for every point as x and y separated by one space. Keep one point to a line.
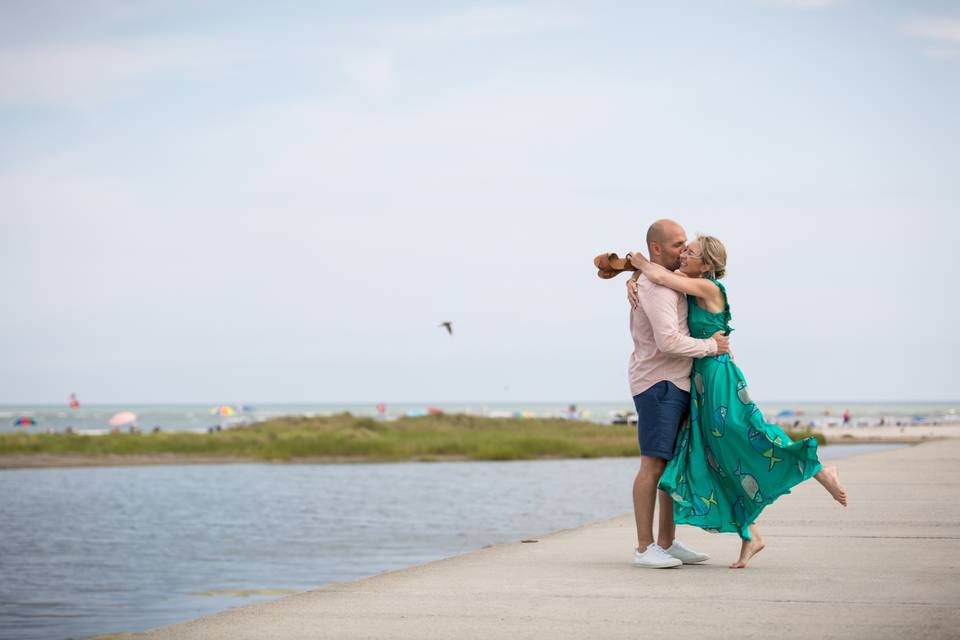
24 421
224 411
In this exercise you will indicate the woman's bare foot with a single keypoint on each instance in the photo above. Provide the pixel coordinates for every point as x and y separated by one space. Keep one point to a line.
830 479
748 549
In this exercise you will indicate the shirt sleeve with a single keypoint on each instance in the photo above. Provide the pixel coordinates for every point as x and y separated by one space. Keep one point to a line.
660 305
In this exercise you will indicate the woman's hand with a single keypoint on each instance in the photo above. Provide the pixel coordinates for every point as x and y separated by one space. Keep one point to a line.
638 260
632 295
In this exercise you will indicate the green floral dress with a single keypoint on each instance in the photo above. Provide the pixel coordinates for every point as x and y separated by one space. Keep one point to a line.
728 464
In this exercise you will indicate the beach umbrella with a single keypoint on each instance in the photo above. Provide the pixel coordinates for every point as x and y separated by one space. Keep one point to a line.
122 418
24 421
223 410
786 413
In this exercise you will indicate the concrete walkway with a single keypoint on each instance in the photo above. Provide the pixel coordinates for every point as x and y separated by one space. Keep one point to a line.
888 566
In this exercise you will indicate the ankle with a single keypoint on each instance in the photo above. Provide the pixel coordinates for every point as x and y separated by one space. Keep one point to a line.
665 543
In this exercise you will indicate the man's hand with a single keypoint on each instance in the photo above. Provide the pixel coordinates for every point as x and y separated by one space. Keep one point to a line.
723 342
632 293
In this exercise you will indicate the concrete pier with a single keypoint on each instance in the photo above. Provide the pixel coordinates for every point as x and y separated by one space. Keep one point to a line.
887 566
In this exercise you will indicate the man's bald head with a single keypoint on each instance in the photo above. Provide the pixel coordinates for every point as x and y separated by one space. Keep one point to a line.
666 240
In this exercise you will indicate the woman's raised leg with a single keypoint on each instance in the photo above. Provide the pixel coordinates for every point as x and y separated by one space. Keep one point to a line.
749 548
830 479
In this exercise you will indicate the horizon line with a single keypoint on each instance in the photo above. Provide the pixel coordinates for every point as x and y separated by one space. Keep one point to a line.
439 402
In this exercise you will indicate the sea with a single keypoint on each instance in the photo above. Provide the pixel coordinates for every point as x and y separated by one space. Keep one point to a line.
95 419
91 551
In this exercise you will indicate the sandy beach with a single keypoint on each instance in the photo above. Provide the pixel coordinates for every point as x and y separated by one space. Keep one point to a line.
891 433
885 567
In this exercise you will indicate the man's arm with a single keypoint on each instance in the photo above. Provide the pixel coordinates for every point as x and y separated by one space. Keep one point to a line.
660 305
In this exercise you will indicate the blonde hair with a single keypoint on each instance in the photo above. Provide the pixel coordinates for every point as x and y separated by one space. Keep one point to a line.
714 256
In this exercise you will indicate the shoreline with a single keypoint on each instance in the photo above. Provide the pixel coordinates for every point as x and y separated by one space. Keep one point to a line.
835 436
890 433
70 460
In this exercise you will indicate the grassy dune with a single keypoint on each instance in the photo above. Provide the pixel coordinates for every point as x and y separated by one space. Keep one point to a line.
347 437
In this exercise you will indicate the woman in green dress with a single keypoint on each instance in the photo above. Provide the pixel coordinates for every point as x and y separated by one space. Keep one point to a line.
728 463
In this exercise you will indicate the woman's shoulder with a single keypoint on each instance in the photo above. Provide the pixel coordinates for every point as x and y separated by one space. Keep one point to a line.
723 291
716 299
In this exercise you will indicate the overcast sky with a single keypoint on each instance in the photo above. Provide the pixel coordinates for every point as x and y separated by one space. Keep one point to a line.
254 202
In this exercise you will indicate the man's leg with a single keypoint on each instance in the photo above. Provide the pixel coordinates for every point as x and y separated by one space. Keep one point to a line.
667 530
644 496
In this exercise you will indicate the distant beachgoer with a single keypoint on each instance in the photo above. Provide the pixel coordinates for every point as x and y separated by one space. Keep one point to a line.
660 385
846 417
728 463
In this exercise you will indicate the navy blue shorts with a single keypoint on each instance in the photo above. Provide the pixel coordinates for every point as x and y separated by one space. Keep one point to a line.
661 410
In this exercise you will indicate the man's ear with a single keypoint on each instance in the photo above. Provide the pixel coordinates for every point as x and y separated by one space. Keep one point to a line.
654 249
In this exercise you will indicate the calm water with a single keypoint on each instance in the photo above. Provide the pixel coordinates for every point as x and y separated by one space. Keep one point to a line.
92 551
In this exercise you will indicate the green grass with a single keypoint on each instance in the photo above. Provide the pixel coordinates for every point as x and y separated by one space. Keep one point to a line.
346 436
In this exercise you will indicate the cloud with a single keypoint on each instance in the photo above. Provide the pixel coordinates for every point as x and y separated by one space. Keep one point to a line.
370 70
941 34
805 4
485 22
940 30
89 73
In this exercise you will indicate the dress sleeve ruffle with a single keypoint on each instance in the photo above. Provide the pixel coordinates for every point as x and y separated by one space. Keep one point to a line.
726 305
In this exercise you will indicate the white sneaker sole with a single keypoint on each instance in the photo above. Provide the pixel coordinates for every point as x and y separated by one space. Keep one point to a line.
645 565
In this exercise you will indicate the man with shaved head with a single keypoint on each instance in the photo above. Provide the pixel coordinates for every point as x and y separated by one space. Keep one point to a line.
663 353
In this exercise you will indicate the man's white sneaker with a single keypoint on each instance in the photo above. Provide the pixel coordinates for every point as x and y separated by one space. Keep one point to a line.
655 558
686 555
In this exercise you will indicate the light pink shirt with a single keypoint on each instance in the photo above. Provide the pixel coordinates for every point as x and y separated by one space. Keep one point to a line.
662 346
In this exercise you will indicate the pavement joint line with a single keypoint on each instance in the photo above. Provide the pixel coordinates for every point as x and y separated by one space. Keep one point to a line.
894 603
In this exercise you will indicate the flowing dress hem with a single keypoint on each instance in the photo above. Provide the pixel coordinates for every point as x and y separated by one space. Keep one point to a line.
810 454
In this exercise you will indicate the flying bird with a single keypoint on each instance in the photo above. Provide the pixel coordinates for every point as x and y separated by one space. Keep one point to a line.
448 326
